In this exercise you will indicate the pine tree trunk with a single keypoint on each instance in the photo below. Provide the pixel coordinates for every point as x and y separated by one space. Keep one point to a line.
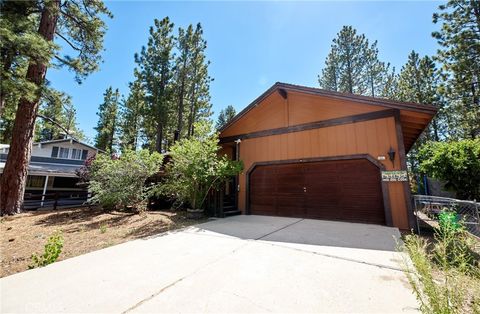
192 113
14 176
180 109
159 140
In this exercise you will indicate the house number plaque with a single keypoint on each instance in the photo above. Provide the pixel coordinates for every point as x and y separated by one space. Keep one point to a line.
394 176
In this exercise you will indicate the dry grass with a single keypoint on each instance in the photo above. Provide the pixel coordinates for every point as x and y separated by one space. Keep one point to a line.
84 230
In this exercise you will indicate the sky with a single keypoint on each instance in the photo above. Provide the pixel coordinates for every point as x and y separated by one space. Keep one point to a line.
251 45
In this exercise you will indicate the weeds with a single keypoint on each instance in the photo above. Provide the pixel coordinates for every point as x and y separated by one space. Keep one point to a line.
52 250
103 228
446 276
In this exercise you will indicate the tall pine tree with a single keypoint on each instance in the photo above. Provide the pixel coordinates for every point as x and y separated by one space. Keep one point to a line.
155 73
459 38
353 66
79 26
419 82
199 87
131 122
107 124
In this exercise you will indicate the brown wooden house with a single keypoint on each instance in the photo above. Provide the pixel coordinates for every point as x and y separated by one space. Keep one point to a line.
319 154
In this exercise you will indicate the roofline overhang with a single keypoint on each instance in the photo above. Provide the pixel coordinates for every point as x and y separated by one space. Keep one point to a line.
423 108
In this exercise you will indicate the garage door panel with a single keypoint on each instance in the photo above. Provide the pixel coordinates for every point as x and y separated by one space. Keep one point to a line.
347 190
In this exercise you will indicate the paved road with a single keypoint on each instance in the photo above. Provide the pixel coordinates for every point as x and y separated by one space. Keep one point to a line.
239 264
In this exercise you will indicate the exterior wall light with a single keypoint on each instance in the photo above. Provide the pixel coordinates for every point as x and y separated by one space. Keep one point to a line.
391 154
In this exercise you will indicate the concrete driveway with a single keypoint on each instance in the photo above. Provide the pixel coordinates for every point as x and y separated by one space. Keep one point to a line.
237 264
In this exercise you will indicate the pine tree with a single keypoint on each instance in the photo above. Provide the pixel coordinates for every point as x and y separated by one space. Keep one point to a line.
78 25
132 110
353 66
18 31
182 66
225 116
459 38
419 82
107 124
199 93
352 59
377 73
155 73
331 72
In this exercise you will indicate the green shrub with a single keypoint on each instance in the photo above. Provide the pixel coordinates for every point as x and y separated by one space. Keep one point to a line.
455 162
52 251
196 168
118 183
103 228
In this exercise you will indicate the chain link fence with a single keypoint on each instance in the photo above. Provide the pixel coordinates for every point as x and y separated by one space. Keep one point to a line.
427 209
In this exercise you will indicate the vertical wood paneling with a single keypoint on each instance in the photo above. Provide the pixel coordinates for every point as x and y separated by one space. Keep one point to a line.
361 137
370 137
350 140
331 141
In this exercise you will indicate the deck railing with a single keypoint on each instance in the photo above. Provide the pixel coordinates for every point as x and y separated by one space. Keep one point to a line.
55 200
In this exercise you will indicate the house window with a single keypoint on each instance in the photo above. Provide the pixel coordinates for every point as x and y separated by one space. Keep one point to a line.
76 153
35 181
63 152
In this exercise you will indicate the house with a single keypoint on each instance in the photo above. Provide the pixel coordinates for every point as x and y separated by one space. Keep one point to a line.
52 171
319 154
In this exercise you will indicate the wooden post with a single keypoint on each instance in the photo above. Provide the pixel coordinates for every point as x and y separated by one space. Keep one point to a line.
44 190
55 203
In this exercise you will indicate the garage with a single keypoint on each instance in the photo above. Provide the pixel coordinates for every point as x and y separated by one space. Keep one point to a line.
318 154
346 190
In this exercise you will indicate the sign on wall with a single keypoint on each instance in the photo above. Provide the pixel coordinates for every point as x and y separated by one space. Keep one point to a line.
394 176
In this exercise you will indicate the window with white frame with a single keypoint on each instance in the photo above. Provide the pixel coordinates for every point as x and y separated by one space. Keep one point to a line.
76 153
63 152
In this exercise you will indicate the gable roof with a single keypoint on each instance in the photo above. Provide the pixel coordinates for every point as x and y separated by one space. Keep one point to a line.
284 88
387 103
68 140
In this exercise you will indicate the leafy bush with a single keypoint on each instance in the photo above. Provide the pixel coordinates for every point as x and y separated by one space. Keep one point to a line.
446 277
448 219
52 251
120 182
196 168
457 163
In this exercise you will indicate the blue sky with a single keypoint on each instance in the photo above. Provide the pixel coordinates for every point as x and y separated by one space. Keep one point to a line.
251 45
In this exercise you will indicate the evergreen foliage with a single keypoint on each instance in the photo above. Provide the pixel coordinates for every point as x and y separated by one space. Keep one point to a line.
30 31
353 66
107 125
176 88
459 54
225 116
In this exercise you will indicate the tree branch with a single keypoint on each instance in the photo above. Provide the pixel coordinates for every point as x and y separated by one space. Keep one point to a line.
56 123
68 42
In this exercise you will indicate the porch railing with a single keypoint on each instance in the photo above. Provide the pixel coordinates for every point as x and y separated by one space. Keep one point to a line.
55 200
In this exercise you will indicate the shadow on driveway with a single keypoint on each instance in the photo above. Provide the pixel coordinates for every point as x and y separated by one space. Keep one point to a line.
306 231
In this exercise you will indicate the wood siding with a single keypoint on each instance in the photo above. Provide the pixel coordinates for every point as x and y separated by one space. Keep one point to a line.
277 112
373 137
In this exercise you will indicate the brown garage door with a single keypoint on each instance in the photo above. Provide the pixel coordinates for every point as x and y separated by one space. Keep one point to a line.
348 190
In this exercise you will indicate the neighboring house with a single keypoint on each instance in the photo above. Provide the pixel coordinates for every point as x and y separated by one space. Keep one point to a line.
52 169
312 153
